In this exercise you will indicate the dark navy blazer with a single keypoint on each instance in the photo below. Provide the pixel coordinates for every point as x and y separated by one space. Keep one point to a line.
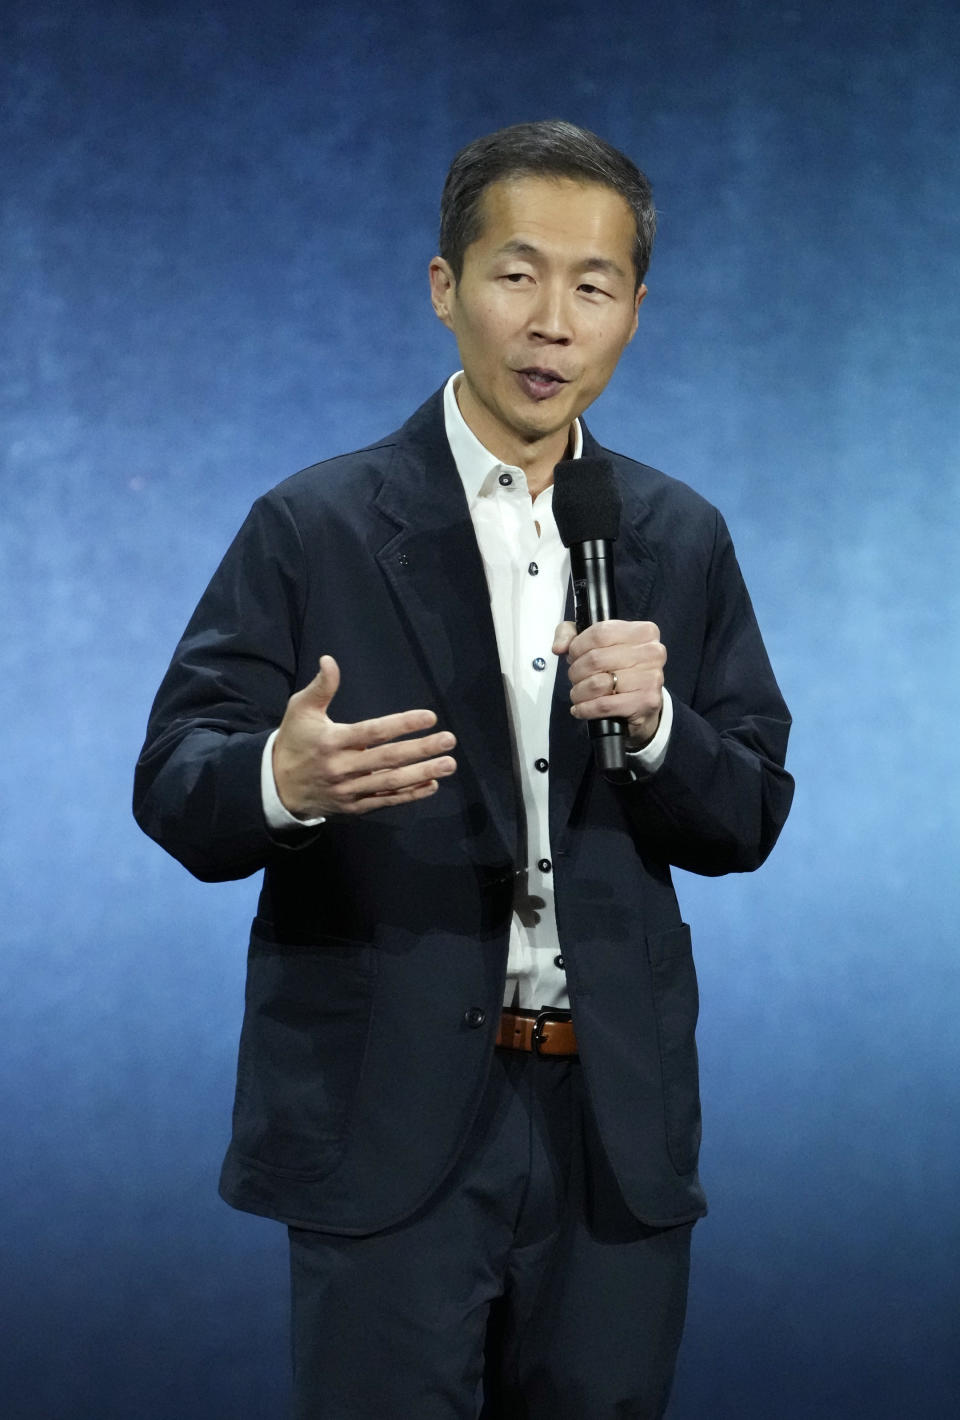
378 954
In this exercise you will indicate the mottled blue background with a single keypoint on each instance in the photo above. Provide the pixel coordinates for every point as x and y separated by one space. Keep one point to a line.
217 221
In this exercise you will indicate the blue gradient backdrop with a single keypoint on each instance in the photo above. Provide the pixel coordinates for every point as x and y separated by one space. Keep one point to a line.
217 220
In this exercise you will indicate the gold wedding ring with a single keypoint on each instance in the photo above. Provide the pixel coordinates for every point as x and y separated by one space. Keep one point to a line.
613 688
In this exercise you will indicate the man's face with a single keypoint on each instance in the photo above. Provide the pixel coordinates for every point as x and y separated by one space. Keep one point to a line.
543 309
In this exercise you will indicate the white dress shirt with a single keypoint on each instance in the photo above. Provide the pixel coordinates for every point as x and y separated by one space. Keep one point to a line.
527 569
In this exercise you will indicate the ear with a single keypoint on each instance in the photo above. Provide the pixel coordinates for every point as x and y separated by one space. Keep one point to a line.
443 289
641 292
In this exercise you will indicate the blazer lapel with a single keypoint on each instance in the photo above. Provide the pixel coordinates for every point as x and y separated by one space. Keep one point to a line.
635 577
433 565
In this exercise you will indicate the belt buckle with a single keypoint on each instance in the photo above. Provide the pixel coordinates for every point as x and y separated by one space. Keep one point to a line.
544 1017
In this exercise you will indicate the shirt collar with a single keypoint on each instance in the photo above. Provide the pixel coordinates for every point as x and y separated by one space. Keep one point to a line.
475 464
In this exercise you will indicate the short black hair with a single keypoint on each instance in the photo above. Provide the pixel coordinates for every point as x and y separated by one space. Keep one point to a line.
547 148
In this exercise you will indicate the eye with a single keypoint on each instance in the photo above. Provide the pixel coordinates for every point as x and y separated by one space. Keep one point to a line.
516 278
590 290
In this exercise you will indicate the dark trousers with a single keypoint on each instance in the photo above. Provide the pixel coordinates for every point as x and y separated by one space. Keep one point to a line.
524 1290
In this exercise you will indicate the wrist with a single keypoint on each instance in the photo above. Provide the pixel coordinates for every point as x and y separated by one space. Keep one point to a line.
285 784
286 827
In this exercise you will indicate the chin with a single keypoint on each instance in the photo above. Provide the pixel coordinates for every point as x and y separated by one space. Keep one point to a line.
533 432
544 419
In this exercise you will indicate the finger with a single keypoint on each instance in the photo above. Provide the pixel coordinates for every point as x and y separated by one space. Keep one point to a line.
636 705
324 686
350 791
366 733
627 633
601 684
399 753
405 796
613 633
399 781
598 663
601 660
354 763
562 637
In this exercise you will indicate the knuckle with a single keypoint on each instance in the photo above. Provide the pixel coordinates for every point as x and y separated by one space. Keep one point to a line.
332 740
334 768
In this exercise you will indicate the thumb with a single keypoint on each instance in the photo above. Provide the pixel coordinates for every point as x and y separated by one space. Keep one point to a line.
562 637
324 686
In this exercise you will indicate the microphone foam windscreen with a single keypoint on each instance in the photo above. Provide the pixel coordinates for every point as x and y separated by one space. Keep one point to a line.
586 501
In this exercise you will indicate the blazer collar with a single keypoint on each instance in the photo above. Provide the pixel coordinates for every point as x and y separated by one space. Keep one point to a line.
432 562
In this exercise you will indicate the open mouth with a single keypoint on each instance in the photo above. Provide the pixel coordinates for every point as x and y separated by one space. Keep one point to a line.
539 383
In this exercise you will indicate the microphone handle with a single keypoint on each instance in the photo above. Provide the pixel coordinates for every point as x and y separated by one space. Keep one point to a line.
595 599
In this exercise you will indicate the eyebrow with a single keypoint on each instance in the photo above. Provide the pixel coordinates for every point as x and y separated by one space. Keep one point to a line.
518 247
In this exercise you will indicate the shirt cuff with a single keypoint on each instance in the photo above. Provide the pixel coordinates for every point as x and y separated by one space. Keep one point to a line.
279 819
652 755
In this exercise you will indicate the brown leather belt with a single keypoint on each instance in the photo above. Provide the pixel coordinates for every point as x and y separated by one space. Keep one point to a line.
542 1032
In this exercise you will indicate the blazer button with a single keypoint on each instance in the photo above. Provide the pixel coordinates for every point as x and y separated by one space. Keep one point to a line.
544 865
474 1017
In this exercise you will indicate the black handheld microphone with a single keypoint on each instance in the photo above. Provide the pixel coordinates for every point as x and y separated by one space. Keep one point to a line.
586 506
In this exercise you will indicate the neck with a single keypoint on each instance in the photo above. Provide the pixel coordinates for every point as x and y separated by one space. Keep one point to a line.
537 457
539 468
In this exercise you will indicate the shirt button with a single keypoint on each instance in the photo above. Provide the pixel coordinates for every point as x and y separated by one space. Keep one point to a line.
506 479
544 865
474 1017
558 961
542 764
539 664
533 569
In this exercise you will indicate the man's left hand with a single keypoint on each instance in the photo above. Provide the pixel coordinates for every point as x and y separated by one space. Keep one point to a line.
616 672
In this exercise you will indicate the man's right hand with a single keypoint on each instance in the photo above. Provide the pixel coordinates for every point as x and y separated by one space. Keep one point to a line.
322 768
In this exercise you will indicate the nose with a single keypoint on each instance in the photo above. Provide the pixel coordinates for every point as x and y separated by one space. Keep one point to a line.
550 318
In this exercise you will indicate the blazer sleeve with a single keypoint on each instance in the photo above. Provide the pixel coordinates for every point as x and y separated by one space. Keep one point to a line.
197 781
722 795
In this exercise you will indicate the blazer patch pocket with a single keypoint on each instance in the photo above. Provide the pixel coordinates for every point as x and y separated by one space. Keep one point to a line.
302 1050
677 1005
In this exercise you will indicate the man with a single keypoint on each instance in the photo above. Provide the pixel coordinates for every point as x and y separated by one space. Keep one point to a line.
467 1076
